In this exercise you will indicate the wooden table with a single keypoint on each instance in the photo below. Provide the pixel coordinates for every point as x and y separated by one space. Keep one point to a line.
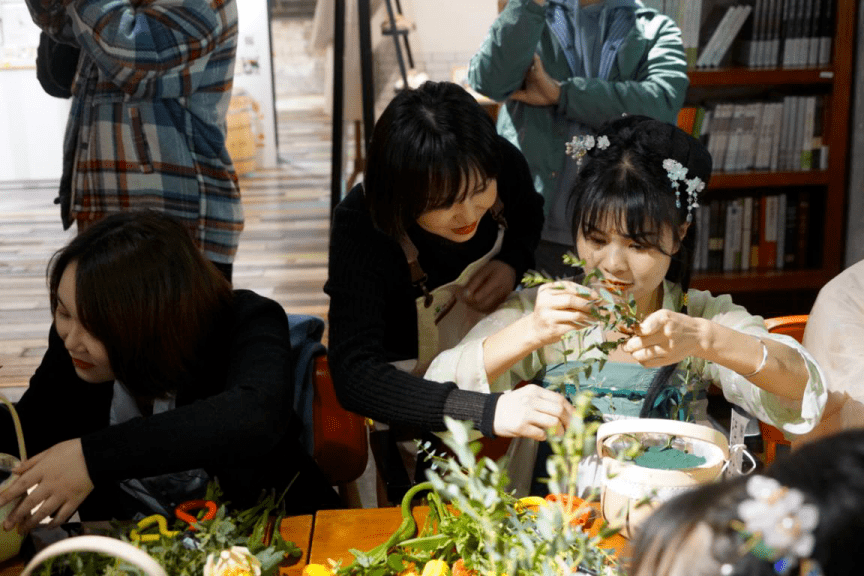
337 531
297 529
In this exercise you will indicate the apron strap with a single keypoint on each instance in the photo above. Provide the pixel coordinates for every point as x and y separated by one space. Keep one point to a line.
418 276
497 212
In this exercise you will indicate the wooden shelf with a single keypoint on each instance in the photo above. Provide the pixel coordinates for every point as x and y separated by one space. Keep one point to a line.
828 197
768 179
760 281
772 77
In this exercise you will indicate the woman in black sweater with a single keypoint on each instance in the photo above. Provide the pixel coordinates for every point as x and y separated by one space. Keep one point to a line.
158 378
419 252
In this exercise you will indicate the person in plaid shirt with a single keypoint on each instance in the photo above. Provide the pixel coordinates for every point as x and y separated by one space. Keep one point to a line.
147 124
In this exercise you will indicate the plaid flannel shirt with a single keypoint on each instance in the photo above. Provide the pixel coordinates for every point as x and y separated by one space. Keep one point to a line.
147 124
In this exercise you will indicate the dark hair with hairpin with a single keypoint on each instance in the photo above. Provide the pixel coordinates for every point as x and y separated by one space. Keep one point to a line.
828 472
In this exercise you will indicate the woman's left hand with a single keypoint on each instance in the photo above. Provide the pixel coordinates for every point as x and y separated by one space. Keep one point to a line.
665 337
490 286
61 481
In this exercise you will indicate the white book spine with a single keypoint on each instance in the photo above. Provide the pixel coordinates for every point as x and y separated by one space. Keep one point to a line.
763 139
813 32
788 132
807 134
774 55
732 236
734 27
736 127
781 230
788 32
825 32
776 137
753 117
705 225
705 57
746 232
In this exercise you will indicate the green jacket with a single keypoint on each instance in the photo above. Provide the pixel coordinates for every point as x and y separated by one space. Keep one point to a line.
648 76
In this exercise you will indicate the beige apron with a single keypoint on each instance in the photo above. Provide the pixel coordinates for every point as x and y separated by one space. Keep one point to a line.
443 318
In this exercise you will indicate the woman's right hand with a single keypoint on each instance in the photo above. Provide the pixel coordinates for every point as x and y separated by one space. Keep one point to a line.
560 307
529 411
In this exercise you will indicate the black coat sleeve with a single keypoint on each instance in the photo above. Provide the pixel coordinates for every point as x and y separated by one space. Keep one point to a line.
243 418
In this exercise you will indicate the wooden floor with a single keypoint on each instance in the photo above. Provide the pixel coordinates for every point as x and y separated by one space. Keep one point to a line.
282 253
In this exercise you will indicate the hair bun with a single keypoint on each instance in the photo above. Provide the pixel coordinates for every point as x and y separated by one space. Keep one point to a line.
664 140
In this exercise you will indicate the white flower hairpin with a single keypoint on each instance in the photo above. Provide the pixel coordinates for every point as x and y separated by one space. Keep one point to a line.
580 145
678 173
780 524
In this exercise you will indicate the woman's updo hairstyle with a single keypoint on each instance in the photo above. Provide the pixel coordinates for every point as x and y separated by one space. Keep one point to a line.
628 182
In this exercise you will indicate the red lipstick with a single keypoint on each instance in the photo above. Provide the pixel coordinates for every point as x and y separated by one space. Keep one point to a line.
81 364
465 229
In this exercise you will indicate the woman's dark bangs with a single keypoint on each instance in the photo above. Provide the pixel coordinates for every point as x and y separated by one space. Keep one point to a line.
452 182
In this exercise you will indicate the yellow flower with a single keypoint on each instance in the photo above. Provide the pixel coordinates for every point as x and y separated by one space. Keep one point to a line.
317 570
236 561
436 568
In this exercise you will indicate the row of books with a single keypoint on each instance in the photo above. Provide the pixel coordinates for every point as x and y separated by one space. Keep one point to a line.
765 33
785 135
759 233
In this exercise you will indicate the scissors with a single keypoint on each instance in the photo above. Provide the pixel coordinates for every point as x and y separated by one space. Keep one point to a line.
182 512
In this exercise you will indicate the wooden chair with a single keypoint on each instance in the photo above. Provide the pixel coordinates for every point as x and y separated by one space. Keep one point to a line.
340 442
791 326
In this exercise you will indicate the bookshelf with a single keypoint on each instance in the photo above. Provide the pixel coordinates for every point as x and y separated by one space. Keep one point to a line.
776 292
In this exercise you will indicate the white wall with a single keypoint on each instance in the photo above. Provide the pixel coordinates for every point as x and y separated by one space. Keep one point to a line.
254 70
448 32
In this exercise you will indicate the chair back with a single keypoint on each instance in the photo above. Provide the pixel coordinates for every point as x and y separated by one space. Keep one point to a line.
792 325
340 441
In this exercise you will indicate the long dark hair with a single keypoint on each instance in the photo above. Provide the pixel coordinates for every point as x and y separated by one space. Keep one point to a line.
426 147
626 183
147 293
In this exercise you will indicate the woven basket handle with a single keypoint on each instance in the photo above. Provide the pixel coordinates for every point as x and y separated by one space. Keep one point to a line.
22 450
101 544
662 426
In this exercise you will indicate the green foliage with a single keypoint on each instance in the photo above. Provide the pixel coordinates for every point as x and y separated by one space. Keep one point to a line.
473 517
181 558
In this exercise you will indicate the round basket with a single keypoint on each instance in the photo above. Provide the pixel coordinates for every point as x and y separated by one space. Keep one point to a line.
631 492
10 540
102 545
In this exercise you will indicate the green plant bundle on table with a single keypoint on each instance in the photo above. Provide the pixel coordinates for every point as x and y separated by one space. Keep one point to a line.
235 543
477 527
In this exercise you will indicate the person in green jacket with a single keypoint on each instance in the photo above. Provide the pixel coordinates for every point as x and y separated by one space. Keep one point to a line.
565 67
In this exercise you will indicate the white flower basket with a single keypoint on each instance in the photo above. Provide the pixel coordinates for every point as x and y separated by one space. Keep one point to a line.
10 541
626 484
100 544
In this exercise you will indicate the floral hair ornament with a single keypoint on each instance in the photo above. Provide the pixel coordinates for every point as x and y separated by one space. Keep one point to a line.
780 526
678 173
580 145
